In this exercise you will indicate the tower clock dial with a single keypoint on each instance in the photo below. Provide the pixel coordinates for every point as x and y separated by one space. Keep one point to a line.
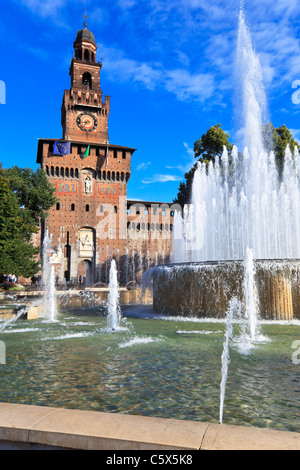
87 122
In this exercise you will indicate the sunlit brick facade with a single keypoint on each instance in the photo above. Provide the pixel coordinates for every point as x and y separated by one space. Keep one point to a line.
93 221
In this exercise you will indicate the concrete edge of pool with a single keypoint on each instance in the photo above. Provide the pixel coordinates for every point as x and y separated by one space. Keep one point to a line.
41 427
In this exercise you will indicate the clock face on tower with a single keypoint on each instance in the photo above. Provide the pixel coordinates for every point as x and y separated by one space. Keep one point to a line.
87 122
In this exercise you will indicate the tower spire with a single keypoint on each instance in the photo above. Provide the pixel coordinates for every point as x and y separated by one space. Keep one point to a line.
85 16
85 23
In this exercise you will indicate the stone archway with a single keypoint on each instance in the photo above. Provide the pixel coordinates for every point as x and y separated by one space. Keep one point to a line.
85 273
86 255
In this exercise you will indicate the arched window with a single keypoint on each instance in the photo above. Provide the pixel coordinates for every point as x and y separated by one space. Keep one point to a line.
47 170
57 171
86 55
67 172
52 171
62 172
87 80
72 172
76 173
78 54
72 207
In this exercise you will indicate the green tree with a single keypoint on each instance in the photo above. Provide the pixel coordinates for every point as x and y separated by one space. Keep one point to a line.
33 190
211 144
277 139
24 197
206 149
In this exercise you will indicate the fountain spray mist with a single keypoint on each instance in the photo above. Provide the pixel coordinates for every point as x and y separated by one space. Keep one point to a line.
250 295
113 306
48 278
233 309
240 201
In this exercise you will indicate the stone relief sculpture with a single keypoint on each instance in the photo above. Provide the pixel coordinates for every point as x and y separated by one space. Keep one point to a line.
87 185
86 243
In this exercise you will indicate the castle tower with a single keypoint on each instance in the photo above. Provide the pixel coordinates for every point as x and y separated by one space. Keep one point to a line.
90 174
84 114
92 220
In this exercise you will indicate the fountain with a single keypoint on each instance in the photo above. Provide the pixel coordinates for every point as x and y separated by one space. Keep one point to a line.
234 307
48 279
229 264
113 317
241 204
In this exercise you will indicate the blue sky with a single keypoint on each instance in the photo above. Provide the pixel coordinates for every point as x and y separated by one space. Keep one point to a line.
168 66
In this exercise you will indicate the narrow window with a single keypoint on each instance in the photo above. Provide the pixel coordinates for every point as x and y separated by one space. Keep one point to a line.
87 208
72 207
87 80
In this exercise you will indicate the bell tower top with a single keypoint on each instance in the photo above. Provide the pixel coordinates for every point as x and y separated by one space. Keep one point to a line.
84 112
84 45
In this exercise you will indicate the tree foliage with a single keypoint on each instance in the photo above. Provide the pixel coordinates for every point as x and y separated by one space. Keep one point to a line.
283 138
25 195
206 149
211 144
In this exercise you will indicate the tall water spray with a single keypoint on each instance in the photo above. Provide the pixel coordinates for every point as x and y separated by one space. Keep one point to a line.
113 316
250 295
240 201
233 310
48 280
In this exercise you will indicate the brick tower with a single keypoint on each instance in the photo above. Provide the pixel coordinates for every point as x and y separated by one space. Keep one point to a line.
84 115
93 220
90 174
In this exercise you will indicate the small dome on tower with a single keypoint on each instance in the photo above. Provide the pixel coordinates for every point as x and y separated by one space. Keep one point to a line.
85 35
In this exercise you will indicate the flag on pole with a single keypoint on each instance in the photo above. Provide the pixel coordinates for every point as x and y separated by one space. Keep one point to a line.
106 158
61 148
86 153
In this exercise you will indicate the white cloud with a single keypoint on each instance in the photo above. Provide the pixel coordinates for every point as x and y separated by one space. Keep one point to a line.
187 160
186 86
180 82
296 134
143 166
160 178
44 8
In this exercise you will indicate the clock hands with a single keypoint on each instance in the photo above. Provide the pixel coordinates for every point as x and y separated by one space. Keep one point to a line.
86 123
